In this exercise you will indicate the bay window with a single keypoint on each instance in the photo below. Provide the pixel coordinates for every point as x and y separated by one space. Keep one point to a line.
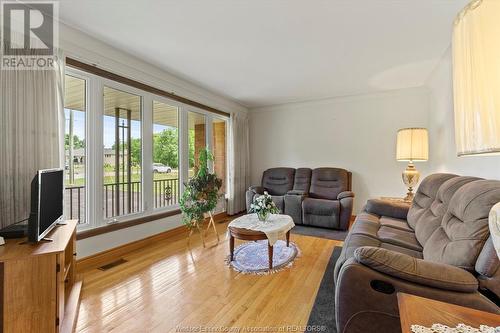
129 150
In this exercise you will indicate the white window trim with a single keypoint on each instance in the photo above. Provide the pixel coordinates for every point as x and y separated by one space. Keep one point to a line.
94 173
179 107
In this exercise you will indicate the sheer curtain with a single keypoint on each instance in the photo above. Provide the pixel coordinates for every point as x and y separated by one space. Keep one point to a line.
476 78
31 133
239 160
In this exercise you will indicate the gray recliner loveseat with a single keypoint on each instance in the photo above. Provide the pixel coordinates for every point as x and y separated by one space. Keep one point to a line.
320 197
438 248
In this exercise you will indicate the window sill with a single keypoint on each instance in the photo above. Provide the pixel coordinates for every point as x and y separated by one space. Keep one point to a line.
125 224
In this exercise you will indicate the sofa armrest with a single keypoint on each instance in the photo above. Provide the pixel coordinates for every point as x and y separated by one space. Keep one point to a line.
296 192
387 208
345 194
415 270
346 200
251 193
257 189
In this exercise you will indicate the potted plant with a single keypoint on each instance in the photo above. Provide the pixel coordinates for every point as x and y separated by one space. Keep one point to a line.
200 196
263 206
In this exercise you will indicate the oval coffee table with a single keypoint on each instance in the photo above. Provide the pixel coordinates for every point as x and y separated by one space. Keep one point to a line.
249 228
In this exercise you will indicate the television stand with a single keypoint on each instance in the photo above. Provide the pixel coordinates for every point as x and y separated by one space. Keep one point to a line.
44 239
61 223
44 274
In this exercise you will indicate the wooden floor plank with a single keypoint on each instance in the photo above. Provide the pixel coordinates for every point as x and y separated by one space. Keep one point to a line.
166 285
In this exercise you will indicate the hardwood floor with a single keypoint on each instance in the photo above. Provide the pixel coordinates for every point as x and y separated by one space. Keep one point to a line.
166 287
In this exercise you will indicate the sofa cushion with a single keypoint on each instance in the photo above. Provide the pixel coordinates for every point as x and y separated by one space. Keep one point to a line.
425 196
302 180
320 206
416 270
278 181
354 241
399 237
320 212
464 228
386 234
431 218
394 223
327 183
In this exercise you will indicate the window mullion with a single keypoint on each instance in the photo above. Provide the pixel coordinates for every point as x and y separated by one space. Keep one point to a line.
95 152
183 148
147 152
208 139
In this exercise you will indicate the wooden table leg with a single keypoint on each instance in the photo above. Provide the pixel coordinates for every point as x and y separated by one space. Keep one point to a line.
270 248
288 239
231 246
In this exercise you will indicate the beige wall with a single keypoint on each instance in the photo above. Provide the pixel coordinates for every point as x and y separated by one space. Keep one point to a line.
357 133
443 157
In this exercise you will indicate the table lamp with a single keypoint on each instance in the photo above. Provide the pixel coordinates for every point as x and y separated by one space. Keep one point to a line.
412 146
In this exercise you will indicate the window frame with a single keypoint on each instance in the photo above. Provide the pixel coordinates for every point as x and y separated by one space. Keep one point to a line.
179 106
80 75
95 222
133 91
212 168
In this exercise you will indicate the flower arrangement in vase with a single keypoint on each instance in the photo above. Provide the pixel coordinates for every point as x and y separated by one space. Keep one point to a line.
263 206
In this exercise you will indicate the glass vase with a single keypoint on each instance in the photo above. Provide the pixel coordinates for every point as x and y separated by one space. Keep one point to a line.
263 215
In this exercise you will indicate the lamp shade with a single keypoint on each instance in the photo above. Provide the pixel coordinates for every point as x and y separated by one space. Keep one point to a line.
412 144
476 78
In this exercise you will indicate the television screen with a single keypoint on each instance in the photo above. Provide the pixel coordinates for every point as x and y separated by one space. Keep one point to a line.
46 202
51 198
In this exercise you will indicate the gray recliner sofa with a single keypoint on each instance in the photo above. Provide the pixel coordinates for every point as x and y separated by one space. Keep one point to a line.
438 248
276 182
320 197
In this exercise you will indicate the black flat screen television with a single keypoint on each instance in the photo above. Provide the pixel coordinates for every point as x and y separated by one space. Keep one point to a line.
47 191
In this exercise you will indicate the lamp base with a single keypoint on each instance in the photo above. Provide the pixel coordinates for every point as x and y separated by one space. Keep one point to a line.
409 196
410 179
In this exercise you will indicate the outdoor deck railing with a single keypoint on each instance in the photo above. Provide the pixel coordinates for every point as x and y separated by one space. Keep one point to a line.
122 198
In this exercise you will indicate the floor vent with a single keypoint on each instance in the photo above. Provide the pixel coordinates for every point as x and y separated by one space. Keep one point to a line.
112 264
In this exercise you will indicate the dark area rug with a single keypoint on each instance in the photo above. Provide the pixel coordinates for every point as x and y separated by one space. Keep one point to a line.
320 232
323 311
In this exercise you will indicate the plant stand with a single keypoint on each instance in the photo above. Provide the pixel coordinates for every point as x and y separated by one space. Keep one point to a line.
211 222
191 231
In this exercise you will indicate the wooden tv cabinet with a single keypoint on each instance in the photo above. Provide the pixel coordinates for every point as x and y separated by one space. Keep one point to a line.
38 291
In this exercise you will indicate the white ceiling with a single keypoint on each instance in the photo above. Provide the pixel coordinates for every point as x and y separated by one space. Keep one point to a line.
265 52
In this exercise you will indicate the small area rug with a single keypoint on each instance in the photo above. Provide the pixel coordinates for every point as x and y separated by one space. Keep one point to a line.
253 257
319 232
323 311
